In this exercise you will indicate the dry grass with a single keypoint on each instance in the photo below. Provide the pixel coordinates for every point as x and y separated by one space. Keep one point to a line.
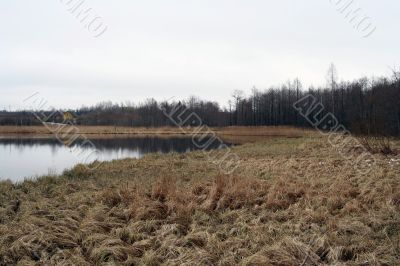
267 131
292 201
89 130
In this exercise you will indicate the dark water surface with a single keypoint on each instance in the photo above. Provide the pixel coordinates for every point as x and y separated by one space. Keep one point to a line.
22 158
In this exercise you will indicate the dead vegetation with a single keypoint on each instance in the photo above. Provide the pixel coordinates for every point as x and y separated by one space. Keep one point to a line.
111 131
378 144
99 131
291 202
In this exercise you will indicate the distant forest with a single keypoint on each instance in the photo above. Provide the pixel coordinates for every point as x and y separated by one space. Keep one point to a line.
365 106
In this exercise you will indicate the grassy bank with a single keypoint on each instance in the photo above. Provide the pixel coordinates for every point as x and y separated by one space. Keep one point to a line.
291 201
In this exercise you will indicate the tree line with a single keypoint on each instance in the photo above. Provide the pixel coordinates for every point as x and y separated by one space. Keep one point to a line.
365 106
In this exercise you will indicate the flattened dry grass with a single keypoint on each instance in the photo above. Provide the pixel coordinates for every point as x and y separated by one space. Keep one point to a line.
290 202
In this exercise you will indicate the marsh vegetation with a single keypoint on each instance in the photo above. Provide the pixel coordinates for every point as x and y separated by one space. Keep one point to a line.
291 201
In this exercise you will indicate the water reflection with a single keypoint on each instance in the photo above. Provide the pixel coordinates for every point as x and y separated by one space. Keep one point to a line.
25 158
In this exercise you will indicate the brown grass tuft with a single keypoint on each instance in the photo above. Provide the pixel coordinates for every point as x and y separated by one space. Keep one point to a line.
285 193
125 195
231 192
163 189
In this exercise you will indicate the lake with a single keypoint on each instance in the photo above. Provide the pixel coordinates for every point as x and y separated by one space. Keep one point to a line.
22 158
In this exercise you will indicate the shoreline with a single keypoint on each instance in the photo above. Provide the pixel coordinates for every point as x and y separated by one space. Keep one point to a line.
288 195
236 135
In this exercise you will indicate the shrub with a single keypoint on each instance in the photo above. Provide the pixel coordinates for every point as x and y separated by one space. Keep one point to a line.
377 144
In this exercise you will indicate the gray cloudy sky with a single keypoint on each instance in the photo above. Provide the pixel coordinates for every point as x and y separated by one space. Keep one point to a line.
161 49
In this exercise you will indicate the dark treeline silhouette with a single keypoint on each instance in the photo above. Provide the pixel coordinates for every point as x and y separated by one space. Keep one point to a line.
365 106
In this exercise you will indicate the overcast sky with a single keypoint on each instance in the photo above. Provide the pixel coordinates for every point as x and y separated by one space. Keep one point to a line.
177 48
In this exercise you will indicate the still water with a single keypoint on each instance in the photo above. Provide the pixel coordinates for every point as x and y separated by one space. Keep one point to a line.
28 158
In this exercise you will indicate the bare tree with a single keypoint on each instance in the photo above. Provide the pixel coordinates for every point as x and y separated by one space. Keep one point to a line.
238 96
332 80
